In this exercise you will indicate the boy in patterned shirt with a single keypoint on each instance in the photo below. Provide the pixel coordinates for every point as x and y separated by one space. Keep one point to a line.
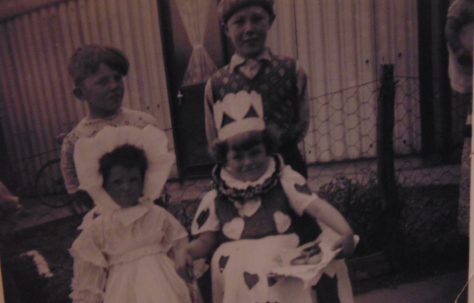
97 73
280 80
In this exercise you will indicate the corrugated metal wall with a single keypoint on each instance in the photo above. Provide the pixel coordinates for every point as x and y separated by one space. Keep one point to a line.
342 44
36 92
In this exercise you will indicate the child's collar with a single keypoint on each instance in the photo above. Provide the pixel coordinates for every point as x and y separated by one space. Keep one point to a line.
238 60
89 118
239 184
241 191
125 216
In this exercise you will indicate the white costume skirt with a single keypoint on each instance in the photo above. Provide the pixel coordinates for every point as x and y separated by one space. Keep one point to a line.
240 273
149 279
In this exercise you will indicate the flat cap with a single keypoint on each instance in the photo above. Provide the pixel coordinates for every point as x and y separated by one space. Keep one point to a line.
226 8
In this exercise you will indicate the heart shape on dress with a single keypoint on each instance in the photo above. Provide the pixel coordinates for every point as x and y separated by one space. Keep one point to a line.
250 279
271 281
223 262
202 218
282 221
234 228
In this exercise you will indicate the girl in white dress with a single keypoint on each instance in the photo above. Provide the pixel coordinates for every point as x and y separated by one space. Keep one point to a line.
134 252
250 216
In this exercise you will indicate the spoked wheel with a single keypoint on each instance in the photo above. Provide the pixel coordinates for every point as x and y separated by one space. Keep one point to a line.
49 185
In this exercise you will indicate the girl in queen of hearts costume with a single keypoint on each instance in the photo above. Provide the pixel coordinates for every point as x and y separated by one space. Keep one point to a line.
248 220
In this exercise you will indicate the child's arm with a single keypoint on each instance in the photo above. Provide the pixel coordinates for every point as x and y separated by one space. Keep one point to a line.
88 282
327 214
90 266
182 262
203 246
303 200
68 169
209 124
205 227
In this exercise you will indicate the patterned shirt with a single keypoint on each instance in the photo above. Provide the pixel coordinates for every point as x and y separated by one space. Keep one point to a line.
87 127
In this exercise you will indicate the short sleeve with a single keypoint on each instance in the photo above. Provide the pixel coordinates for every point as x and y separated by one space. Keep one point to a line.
297 190
206 218
88 245
173 229
90 266
88 282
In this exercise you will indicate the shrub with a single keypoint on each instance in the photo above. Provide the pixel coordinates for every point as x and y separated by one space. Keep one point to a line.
362 206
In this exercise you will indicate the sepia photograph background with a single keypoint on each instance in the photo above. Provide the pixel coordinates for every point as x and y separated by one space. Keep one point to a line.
384 143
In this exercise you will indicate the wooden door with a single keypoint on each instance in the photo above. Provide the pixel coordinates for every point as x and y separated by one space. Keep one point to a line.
194 49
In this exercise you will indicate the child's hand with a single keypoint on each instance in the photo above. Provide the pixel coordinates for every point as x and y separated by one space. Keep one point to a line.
347 246
184 265
309 255
6 197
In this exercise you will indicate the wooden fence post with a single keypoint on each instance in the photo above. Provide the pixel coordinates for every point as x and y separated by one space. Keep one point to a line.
386 166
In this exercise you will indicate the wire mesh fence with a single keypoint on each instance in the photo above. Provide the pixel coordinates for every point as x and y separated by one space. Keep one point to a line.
343 137
342 156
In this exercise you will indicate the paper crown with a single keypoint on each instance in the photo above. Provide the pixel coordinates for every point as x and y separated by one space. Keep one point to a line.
226 8
89 151
238 113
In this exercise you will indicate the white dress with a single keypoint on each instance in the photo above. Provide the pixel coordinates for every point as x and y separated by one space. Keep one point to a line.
122 258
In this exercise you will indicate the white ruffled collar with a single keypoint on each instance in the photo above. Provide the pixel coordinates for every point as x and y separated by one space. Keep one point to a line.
238 184
88 151
129 215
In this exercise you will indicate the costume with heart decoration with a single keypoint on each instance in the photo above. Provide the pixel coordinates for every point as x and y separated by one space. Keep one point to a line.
254 232
253 219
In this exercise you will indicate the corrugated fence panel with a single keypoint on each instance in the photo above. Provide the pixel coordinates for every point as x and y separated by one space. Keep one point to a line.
36 89
336 46
281 37
342 45
10 117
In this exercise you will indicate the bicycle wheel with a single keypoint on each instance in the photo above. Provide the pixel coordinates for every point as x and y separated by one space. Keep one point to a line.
49 185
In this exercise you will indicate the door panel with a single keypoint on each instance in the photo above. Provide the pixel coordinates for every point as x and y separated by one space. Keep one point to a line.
194 49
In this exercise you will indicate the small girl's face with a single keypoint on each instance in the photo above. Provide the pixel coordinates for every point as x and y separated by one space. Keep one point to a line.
124 185
246 162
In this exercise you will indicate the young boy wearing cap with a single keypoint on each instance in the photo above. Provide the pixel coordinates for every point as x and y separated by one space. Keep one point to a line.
280 81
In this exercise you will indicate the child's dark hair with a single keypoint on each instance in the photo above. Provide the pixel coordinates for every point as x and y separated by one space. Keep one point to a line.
219 149
86 61
127 156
